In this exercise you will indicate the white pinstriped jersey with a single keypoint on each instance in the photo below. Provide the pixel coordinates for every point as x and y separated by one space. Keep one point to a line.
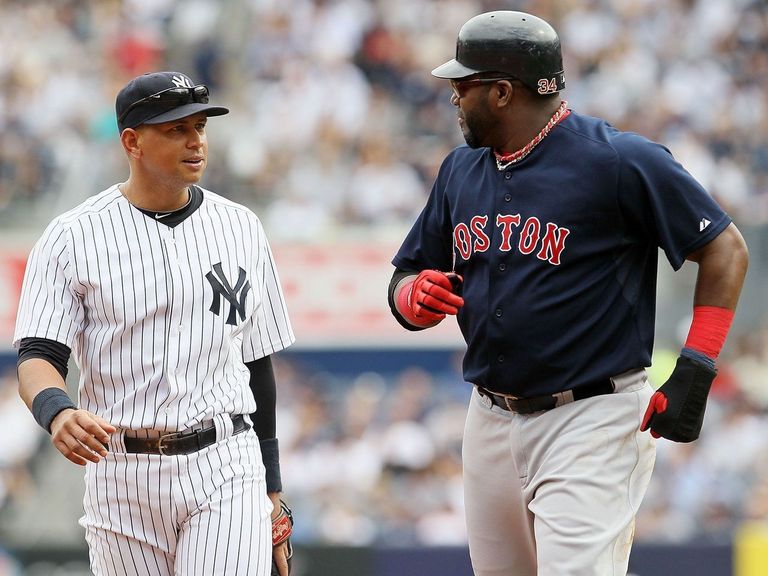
160 320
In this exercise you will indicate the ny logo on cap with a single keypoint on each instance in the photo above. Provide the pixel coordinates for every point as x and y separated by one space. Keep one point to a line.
182 81
221 287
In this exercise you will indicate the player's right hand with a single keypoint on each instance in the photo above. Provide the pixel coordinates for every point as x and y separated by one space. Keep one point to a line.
80 436
282 528
432 295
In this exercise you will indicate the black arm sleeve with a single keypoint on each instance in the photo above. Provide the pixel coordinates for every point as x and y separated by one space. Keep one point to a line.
55 353
398 275
264 390
262 384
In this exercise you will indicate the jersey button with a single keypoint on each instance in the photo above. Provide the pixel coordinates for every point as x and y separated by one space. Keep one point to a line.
499 313
507 197
507 175
502 266
500 358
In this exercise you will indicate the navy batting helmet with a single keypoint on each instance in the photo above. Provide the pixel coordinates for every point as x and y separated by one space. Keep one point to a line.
515 43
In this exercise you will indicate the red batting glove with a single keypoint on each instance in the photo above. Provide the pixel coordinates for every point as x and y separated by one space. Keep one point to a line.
657 405
432 295
425 301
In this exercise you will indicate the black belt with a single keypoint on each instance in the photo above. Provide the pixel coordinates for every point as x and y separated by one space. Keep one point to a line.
175 443
541 403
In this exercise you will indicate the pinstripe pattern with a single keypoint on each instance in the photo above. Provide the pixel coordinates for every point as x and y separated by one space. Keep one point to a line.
203 514
129 296
160 321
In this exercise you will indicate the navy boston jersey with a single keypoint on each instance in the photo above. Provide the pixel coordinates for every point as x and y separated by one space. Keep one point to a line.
559 252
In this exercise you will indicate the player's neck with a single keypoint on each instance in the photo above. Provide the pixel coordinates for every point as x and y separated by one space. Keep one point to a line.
156 198
528 124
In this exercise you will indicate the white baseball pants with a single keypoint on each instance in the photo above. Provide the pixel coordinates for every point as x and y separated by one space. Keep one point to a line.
202 514
555 493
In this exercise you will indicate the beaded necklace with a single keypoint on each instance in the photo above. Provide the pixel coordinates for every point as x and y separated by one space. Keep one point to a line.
509 158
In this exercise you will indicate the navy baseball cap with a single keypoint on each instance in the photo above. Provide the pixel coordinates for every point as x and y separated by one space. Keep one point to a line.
161 97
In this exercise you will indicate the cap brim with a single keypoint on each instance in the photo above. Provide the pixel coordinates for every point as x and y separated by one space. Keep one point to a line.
453 69
187 110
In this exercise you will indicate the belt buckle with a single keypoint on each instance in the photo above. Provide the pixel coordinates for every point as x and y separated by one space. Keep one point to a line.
565 397
508 399
168 436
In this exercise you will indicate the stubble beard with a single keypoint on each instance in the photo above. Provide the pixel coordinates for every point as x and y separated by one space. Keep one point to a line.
476 127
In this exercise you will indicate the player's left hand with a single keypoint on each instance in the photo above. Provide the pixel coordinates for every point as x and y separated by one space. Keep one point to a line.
282 528
676 409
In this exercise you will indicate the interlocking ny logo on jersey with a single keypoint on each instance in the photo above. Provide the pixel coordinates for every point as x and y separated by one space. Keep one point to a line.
221 287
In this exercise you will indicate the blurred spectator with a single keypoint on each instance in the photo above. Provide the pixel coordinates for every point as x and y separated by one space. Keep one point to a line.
383 190
17 447
375 457
8 565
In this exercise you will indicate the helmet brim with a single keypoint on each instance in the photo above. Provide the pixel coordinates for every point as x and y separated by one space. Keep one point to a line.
453 69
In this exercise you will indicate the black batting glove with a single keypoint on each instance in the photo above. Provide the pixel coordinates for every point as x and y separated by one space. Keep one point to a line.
676 409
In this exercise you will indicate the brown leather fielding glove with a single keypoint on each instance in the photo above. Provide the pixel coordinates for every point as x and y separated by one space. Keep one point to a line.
282 528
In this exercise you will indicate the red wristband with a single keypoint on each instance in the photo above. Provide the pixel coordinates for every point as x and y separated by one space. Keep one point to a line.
709 329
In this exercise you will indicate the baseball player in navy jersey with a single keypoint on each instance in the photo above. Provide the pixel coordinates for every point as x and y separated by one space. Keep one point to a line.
168 297
541 236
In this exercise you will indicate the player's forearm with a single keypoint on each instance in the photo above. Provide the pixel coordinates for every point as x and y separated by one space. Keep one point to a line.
676 409
35 375
264 390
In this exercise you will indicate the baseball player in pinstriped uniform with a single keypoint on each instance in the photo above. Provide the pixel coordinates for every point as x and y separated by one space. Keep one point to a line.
167 295
542 236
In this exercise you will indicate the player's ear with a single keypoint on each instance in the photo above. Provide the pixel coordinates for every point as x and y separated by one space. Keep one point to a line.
130 141
505 90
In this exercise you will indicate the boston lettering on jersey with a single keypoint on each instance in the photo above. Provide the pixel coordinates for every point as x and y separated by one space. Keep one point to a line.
548 241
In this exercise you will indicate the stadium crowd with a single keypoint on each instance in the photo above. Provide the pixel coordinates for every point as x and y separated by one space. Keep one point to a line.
337 128
336 121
